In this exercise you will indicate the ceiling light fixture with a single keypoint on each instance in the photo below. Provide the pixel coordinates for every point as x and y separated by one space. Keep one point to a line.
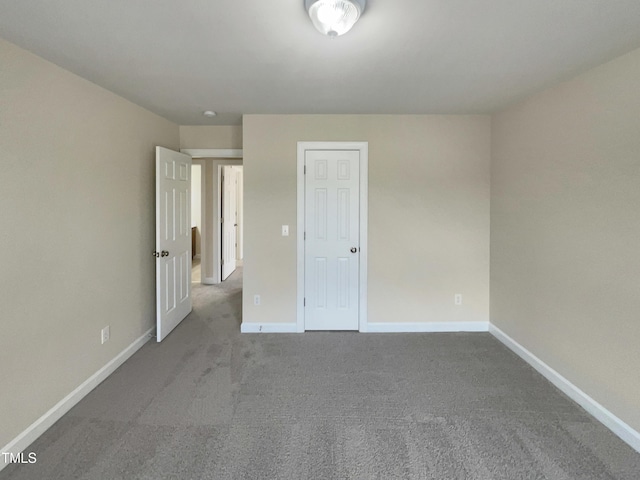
334 17
209 113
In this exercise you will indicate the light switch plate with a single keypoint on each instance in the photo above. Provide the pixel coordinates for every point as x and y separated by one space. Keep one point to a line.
285 230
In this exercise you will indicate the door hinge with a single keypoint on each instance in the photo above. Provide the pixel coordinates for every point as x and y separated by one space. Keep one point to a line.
305 236
304 302
305 170
222 261
221 219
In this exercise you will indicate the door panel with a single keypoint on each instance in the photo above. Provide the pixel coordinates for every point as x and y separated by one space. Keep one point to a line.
229 221
332 208
173 239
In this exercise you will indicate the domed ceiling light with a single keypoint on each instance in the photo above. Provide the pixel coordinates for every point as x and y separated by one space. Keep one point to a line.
334 17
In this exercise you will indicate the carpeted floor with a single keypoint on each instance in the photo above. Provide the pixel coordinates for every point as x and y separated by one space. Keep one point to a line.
210 403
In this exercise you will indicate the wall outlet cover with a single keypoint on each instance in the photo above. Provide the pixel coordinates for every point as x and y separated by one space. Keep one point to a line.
105 334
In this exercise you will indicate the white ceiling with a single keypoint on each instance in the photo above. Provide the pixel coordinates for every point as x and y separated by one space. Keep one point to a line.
178 58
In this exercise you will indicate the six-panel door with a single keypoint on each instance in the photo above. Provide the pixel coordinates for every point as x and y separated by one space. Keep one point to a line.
173 239
332 229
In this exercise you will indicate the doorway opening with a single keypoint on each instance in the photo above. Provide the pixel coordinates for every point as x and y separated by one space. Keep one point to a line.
217 219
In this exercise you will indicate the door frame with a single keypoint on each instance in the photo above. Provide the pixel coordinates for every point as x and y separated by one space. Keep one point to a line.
363 148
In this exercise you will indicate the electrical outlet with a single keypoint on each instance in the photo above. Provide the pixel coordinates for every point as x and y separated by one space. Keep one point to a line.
458 299
256 299
105 334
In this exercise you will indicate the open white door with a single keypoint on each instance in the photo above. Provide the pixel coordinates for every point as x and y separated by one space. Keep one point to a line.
173 239
229 221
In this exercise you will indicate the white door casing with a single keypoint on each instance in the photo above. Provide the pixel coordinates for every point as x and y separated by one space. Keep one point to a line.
332 214
239 211
173 239
229 221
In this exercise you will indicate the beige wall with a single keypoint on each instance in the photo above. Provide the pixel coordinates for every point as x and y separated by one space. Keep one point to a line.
428 213
565 231
77 231
214 136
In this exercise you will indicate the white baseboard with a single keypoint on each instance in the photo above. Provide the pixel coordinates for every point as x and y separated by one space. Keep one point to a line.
198 256
424 327
608 419
376 327
268 327
209 281
37 428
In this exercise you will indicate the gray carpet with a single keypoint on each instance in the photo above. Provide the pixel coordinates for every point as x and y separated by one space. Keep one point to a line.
209 403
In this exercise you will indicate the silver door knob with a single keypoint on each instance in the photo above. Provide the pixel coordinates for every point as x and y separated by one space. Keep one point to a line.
165 253
155 254
354 250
